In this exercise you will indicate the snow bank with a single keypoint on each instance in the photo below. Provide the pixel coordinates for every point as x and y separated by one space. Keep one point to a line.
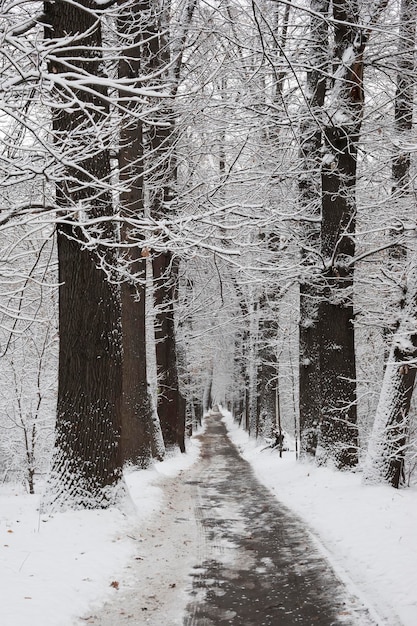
368 532
57 568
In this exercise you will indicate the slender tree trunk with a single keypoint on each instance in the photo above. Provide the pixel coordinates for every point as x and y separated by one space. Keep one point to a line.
253 366
171 404
86 461
139 436
267 379
207 394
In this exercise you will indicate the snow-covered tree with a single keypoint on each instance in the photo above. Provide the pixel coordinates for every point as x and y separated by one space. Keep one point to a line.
388 441
87 463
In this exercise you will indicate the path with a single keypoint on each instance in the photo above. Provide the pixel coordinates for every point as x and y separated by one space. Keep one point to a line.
241 558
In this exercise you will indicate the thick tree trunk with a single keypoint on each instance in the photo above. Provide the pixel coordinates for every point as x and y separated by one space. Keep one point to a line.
87 457
86 461
338 437
310 394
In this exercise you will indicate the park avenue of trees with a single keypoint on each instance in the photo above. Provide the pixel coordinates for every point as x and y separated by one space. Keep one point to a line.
205 203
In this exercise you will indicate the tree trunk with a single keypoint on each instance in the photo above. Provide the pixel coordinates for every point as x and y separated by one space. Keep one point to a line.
387 445
139 437
267 378
171 404
338 437
310 397
267 373
161 184
207 397
87 456
252 366
86 462
385 458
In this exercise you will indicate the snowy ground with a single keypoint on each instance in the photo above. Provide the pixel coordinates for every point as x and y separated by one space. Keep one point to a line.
55 570
368 533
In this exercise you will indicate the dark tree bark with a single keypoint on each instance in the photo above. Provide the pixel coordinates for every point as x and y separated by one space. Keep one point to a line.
327 351
171 404
338 438
310 394
86 460
163 135
140 440
338 435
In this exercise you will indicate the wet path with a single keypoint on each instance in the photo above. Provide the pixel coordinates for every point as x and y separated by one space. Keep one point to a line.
257 565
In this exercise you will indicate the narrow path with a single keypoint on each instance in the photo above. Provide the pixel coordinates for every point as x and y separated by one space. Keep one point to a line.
223 551
258 566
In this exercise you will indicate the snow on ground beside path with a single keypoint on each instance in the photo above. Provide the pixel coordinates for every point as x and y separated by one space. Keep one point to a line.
370 532
53 569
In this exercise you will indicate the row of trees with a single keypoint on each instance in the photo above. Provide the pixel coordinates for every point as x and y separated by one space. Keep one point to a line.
247 170
346 223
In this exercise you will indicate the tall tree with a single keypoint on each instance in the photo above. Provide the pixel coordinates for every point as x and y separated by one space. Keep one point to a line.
387 445
165 58
338 435
338 432
86 463
141 437
310 394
